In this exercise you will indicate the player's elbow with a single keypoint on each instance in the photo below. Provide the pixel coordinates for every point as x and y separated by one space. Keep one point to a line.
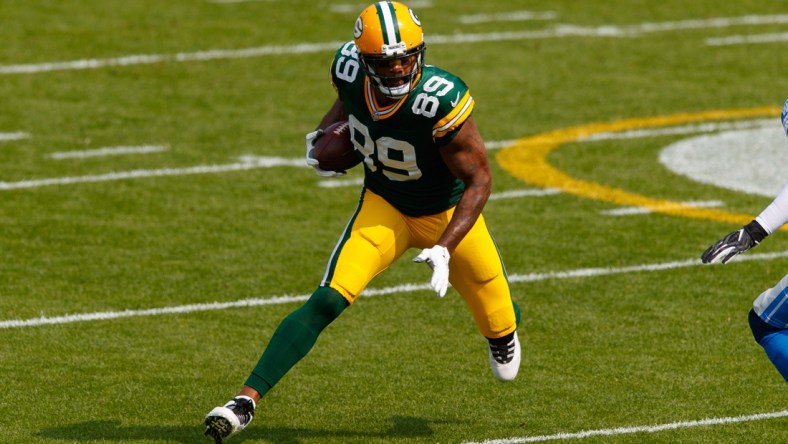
482 182
480 189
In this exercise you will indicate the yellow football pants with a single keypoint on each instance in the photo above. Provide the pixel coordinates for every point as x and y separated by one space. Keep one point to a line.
378 234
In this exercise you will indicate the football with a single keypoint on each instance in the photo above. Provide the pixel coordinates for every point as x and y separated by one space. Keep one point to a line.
334 150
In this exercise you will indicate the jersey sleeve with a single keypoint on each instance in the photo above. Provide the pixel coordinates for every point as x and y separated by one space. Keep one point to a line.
775 215
456 106
345 69
449 126
333 69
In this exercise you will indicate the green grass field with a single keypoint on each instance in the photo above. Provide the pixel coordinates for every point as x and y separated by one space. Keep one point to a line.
134 224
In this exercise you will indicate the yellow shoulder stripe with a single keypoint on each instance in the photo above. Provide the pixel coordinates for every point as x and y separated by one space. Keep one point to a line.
455 118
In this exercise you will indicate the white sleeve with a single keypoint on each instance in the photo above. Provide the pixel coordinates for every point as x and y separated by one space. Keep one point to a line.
784 117
776 214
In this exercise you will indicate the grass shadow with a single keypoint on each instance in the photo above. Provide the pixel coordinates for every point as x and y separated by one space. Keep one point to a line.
403 427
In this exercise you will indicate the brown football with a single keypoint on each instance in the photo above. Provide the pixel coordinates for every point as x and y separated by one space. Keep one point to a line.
334 150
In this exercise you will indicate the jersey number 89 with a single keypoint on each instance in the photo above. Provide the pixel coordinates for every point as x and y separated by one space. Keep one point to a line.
397 158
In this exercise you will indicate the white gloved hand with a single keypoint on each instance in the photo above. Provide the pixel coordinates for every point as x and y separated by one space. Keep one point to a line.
311 161
437 258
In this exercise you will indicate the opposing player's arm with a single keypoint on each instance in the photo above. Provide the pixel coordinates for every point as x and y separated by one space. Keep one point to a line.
466 158
774 216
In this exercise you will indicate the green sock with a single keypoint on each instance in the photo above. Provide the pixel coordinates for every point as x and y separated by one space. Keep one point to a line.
294 337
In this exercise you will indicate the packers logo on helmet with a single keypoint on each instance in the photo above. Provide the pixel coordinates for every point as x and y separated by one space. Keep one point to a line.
390 42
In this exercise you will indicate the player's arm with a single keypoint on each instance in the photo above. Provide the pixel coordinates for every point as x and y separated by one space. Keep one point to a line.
771 218
466 158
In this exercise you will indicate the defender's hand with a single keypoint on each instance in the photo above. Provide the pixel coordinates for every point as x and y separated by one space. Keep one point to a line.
311 161
437 258
734 243
728 247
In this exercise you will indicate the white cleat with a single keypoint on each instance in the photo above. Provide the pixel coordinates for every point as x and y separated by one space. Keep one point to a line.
224 422
505 358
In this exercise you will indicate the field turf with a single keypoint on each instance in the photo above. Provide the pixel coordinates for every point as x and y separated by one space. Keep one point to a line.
157 222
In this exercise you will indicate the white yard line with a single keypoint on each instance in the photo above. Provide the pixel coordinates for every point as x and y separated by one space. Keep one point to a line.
498 144
371 292
246 163
142 59
639 429
108 151
721 22
556 31
631 211
590 272
748 39
508 16
13 136
339 183
533 192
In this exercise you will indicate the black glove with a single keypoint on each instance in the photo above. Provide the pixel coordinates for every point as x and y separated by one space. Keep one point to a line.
737 242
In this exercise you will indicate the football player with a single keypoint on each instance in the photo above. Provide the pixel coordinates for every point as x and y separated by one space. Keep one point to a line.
426 181
769 314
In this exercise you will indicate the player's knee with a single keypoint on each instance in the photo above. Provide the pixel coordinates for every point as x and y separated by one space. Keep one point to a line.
486 274
364 255
759 328
351 281
379 237
323 307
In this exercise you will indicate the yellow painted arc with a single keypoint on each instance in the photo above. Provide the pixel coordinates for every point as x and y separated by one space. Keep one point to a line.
526 159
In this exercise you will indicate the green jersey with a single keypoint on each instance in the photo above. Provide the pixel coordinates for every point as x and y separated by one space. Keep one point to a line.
399 143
